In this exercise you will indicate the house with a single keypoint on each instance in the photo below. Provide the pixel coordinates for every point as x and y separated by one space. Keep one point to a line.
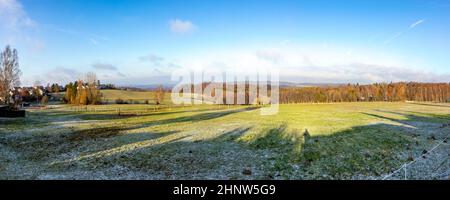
17 95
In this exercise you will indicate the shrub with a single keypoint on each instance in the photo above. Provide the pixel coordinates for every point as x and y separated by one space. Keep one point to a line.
120 101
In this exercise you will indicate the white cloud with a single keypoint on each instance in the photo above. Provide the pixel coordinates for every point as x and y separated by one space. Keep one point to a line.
316 64
13 16
180 26
417 23
306 64
269 55
17 28
63 75
60 75
361 73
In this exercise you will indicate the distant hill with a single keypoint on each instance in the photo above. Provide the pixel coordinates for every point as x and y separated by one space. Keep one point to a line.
291 84
169 86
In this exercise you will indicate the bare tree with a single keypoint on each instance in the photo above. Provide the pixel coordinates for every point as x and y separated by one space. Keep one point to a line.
38 90
90 78
2 90
159 95
9 72
92 91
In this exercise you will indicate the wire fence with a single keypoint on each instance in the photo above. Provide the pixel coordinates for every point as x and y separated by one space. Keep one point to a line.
120 109
134 109
404 168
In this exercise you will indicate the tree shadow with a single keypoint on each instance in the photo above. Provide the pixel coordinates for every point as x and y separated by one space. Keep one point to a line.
411 117
278 152
125 114
194 118
92 134
137 113
433 104
173 154
49 146
366 151
363 150
46 146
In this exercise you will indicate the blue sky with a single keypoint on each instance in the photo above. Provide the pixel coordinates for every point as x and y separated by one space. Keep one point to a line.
138 42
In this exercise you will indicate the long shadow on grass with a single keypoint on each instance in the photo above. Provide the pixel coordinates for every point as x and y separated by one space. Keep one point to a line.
363 150
431 104
108 115
49 146
194 118
170 138
164 154
411 118
360 151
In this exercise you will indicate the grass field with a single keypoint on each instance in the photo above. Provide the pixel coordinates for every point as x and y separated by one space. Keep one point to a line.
123 94
345 141
131 96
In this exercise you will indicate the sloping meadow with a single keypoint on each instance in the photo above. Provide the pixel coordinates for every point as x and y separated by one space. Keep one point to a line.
302 141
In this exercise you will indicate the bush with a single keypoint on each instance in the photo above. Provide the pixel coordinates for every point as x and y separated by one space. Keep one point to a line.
120 101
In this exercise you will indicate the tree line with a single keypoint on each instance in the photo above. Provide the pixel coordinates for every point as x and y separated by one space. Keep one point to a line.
390 92
402 91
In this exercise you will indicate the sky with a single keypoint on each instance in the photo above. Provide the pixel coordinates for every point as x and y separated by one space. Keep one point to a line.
138 42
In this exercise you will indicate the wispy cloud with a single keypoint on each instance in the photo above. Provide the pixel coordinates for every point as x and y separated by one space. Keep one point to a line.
94 39
397 35
103 66
13 16
34 44
181 26
417 23
156 60
120 74
388 41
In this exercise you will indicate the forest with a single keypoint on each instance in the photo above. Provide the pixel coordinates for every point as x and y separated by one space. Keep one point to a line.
402 91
